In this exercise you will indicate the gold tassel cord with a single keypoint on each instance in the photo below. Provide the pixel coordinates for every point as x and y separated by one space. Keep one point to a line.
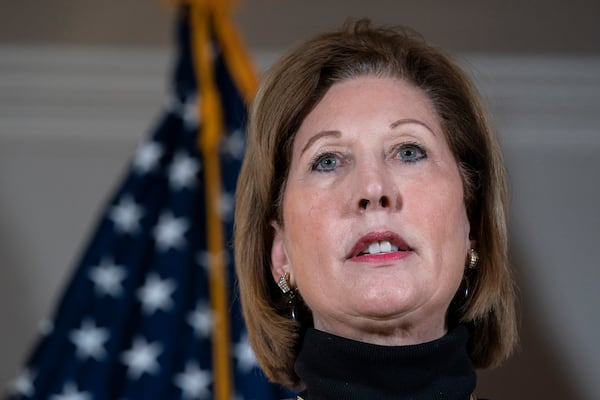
237 59
210 112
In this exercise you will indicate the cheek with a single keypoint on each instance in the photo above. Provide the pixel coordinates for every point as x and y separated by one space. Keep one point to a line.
310 229
445 219
307 218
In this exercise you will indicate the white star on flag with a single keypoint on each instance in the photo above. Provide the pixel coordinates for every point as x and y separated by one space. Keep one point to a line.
126 215
23 385
70 392
189 112
45 327
245 355
147 157
169 232
182 172
89 340
233 145
201 320
108 278
194 381
141 358
156 294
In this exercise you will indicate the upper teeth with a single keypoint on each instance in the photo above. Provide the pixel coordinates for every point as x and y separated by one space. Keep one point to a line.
383 246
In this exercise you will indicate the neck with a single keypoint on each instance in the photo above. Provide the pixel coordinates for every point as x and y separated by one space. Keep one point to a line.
333 367
390 334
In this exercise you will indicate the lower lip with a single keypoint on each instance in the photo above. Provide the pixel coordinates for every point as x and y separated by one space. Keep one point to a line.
382 258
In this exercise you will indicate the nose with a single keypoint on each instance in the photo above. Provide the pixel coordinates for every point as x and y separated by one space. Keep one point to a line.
376 189
383 202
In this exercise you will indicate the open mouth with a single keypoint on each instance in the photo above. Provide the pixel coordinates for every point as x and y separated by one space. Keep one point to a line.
379 243
379 247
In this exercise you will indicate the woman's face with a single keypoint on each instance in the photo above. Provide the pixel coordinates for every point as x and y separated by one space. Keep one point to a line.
375 230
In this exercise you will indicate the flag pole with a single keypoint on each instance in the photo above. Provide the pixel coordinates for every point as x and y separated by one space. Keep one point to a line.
211 127
214 16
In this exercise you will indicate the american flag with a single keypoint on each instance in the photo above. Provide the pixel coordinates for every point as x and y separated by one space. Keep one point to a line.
136 320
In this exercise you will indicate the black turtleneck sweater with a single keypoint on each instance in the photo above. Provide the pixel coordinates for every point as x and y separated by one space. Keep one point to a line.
335 368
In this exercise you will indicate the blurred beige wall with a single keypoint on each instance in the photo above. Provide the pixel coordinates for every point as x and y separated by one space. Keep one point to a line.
494 26
81 83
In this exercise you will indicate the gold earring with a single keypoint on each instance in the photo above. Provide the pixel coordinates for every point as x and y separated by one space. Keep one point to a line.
283 283
472 259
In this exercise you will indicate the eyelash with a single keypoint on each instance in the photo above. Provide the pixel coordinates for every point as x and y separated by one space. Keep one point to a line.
410 146
314 165
396 152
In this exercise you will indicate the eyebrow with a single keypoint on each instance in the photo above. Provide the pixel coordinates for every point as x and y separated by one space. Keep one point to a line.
395 124
336 134
318 136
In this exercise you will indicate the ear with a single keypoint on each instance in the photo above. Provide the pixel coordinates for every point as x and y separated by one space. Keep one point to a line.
280 262
471 240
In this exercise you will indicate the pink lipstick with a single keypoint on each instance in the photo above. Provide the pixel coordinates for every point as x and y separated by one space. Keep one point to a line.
380 247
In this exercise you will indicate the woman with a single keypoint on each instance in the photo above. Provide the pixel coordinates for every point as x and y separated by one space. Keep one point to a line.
370 238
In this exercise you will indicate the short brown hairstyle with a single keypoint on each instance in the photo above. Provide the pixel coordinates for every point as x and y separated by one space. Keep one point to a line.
289 91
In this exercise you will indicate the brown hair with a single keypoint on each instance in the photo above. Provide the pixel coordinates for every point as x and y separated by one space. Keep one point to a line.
289 91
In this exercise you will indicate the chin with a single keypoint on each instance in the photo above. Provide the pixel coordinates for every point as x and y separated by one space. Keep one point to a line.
400 330
388 300
403 311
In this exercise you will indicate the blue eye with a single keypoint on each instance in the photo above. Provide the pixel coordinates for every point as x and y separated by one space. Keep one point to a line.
325 162
410 152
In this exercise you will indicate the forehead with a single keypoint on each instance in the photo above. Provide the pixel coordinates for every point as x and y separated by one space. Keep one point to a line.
357 101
